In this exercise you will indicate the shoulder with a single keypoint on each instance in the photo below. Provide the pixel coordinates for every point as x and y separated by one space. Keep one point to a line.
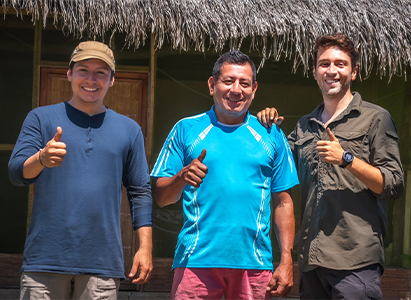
46 114
120 120
314 114
273 134
305 123
365 105
254 124
190 123
121 126
373 108
192 120
54 108
378 116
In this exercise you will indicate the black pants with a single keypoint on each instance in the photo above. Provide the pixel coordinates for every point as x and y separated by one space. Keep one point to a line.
322 283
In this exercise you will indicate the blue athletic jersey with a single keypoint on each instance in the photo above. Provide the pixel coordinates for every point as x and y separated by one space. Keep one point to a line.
227 219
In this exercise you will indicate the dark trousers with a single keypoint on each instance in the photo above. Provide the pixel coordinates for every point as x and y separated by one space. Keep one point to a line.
322 283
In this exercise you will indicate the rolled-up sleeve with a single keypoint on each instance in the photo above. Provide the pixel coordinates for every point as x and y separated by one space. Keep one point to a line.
137 182
385 155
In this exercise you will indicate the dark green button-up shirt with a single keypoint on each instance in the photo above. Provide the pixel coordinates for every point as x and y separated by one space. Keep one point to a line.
343 222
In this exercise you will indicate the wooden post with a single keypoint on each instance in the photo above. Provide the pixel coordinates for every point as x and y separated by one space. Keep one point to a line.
36 63
152 82
405 143
402 207
407 215
35 96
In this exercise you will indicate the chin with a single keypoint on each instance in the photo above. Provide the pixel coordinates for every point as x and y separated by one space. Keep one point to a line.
333 93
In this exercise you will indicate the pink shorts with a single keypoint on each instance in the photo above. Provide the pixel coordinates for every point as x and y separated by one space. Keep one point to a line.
214 283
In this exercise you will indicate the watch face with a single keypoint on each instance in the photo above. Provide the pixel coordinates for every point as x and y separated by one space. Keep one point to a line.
348 156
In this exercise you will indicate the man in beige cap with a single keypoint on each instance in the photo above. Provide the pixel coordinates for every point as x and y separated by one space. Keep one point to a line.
80 153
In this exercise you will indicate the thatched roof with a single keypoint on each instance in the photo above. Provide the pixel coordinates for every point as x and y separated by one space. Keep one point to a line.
278 28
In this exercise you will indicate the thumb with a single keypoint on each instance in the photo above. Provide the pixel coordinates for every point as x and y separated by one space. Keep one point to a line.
331 135
272 284
202 155
133 271
58 134
279 120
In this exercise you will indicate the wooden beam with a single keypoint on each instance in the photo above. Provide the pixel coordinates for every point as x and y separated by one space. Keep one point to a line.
395 283
6 147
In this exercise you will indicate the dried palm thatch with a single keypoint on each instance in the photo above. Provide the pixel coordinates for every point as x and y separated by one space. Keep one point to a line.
286 29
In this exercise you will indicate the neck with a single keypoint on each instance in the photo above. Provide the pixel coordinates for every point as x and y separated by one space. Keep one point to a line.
230 118
334 106
89 108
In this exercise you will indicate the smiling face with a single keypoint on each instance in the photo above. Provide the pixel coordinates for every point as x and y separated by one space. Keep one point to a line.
90 80
334 72
233 91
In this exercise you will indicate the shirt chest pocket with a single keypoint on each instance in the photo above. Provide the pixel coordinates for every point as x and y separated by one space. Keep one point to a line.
354 141
306 147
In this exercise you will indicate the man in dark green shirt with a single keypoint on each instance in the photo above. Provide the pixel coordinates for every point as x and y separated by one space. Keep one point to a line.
348 162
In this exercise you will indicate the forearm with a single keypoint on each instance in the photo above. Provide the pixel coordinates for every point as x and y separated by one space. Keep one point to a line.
367 174
143 259
168 189
284 224
145 238
32 167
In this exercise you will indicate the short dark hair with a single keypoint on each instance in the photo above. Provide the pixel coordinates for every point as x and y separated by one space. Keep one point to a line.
235 57
72 65
338 40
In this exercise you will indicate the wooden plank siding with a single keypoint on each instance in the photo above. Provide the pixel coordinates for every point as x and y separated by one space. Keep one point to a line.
396 283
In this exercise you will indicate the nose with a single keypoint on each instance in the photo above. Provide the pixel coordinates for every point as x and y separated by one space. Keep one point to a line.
235 87
332 69
91 77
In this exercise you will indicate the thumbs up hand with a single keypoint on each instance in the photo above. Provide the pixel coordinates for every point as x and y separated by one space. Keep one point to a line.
194 173
330 151
53 154
58 134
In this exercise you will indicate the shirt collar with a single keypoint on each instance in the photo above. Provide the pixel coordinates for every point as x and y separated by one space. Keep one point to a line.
82 119
215 122
354 105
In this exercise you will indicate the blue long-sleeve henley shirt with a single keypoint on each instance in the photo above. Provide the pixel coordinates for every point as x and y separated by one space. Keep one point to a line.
75 223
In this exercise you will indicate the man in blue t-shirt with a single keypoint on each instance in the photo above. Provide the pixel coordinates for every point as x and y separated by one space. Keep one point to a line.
80 153
228 167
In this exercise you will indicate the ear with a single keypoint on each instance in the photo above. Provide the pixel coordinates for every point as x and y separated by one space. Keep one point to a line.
255 86
69 75
211 85
354 73
112 82
315 72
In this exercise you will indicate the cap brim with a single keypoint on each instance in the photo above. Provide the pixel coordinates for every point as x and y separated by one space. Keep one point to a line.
85 56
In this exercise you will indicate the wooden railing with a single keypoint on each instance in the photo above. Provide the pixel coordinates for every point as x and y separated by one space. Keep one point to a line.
395 284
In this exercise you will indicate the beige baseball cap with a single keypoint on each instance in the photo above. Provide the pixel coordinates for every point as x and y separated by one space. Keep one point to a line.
92 49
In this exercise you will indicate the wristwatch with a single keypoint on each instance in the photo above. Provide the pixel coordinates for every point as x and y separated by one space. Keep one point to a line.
347 158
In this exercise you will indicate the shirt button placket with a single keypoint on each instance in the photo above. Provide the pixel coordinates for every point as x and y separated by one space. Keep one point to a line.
89 142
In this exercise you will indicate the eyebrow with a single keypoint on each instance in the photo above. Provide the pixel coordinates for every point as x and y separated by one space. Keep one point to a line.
98 68
328 60
234 77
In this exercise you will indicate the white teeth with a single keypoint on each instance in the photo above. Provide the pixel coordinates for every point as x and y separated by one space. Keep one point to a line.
331 81
89 90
